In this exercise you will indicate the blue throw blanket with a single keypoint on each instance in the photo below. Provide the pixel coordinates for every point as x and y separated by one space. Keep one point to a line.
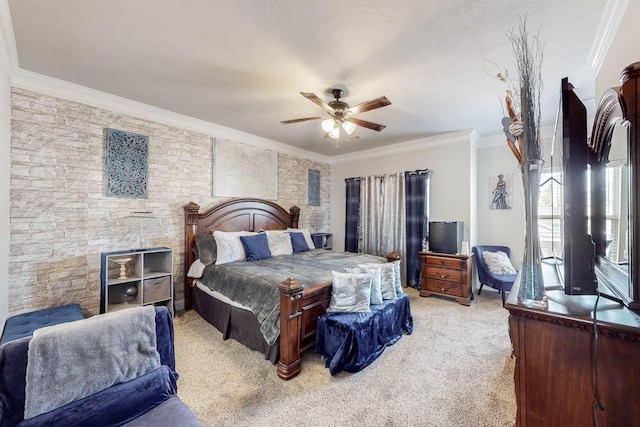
69 361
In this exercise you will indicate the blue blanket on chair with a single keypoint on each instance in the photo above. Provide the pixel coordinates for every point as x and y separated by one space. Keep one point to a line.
352 341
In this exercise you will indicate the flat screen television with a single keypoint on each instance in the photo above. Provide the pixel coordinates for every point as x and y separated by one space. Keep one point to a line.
445 236
574 251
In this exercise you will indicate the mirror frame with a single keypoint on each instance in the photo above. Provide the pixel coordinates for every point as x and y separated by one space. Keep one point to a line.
617 105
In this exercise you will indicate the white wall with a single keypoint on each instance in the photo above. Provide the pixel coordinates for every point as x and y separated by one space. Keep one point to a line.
448 155
500 227
5 156
624 49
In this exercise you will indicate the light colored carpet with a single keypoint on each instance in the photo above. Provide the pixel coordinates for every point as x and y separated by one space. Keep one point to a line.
454 370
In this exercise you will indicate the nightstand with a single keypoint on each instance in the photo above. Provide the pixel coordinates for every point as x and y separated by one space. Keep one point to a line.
322 240
446 275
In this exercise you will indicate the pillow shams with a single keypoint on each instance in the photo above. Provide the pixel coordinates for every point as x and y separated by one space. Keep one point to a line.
279 242
398 277
498 262
207 248
376 291
230 248
387 281
350 292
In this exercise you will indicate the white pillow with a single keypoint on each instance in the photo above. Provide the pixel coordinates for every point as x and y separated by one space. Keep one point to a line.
376 278
397 277
196 269
306 234
388 278
230 247
350 292
279 242
498 262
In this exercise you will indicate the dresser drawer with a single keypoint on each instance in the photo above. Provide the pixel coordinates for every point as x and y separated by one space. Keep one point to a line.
445 262
442 287
448 274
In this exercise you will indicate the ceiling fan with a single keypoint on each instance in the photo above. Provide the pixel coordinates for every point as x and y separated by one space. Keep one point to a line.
341 114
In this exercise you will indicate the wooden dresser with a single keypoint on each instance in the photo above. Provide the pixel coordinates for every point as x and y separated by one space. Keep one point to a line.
447 275
554 351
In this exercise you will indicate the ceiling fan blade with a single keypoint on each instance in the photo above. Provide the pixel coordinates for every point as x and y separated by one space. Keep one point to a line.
304 119
370 105
366 124
314 98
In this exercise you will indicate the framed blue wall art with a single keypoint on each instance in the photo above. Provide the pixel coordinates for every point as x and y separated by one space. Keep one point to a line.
127 164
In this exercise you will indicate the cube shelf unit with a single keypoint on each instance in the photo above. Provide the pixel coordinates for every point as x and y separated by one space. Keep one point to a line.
133 278
322 240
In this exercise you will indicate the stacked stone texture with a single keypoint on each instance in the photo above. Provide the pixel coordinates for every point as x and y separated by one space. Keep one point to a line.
61 220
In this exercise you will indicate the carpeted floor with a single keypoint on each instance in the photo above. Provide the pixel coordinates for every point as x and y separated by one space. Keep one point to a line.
454 370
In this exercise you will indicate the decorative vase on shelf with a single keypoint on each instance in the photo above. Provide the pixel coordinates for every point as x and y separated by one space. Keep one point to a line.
531 293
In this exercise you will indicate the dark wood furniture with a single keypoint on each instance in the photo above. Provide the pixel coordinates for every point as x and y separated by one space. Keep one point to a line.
555 362
299 307
446 275
616 128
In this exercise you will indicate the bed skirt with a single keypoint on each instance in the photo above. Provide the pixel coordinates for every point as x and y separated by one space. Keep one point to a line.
234 322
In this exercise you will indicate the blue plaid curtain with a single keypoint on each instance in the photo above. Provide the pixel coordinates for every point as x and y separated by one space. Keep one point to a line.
417 217
353 215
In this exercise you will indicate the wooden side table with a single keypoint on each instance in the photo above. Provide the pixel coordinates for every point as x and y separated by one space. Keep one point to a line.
446 275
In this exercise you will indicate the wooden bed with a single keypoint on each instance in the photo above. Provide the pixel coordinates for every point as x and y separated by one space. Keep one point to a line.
299 307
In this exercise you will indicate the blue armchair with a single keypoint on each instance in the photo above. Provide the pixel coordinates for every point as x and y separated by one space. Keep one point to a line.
148 400
501 282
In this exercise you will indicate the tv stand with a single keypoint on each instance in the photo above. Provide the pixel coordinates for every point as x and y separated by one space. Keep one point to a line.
554 370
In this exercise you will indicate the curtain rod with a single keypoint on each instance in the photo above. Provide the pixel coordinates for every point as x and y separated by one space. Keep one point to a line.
415 172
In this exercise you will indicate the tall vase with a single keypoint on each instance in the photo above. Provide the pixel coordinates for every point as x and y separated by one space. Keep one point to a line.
531 293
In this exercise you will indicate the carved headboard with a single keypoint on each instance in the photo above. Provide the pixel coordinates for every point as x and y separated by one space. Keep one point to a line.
232 215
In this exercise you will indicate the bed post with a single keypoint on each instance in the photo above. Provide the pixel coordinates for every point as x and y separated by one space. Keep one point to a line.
290 328
295 216
191 231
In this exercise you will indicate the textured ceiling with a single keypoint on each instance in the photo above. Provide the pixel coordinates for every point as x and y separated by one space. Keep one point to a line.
242 63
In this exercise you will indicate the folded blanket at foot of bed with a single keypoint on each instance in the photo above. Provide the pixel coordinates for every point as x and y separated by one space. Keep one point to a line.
352 341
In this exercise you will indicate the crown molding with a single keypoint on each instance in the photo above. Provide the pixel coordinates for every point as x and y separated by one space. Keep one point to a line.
611 18
8 49
463 136
73 92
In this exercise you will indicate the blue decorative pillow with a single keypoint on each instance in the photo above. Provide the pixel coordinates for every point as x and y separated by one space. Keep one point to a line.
256 247
298 242
350 292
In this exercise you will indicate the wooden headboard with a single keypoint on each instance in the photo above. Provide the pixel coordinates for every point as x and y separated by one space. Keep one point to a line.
231 215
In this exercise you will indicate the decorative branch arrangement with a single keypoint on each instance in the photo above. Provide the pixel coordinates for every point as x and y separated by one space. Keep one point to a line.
523 126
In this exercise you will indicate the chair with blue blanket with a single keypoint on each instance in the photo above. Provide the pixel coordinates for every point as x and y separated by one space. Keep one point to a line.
501 282
109 375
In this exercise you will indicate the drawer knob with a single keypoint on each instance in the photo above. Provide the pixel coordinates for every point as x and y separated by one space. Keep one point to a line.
444 276
443 290
442 261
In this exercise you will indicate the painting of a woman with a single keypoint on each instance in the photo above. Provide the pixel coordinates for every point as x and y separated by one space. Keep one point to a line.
500 198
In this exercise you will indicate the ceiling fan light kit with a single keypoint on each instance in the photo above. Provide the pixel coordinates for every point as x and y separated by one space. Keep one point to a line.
340 114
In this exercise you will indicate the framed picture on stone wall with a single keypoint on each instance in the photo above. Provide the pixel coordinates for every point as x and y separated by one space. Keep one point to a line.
127 164
313 187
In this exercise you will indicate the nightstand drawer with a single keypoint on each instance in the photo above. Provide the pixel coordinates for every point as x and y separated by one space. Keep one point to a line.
442 287
445 262
447 274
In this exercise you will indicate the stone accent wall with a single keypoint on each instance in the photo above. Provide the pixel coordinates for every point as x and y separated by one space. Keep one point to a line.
61 220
